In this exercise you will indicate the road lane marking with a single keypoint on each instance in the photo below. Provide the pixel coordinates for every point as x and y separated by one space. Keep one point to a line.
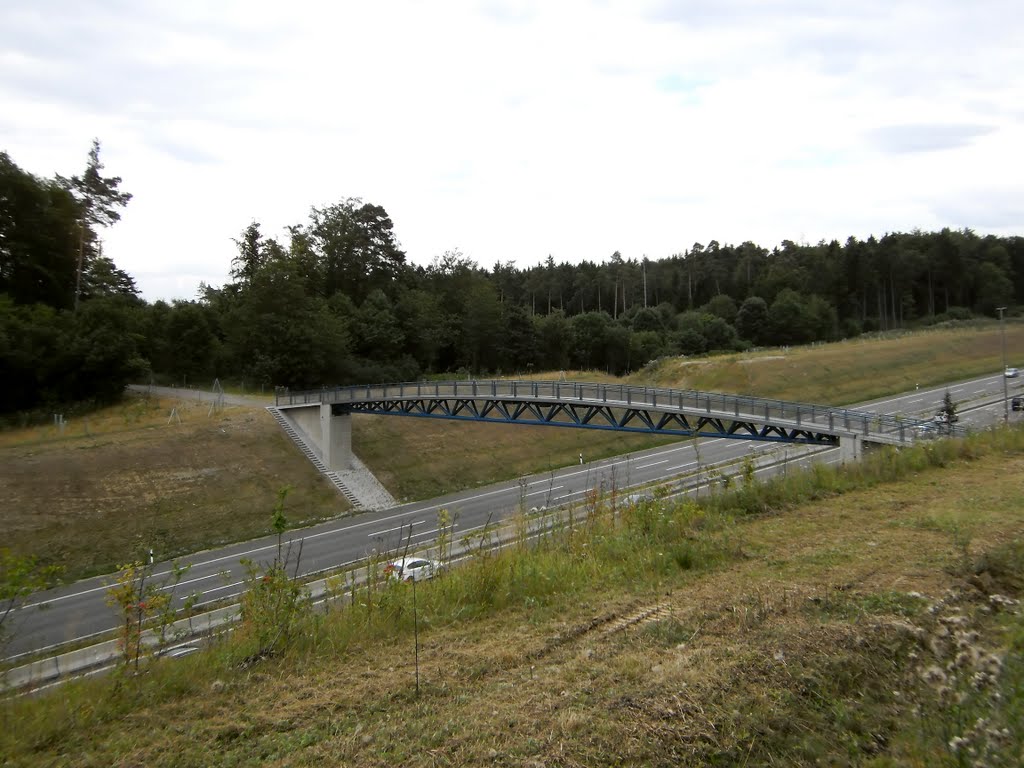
546 490
397 528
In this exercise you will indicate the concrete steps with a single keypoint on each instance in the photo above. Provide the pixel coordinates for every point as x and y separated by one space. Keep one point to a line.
312 455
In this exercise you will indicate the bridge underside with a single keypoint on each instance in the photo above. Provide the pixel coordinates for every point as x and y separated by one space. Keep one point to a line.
584 416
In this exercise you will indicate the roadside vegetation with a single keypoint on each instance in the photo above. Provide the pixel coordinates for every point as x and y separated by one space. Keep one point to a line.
866 615
177 476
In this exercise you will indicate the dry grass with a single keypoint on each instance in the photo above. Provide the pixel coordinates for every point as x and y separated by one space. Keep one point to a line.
122 479
423 458
793 654
848 371
96 495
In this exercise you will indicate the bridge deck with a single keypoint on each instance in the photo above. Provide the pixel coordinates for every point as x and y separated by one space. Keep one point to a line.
613 406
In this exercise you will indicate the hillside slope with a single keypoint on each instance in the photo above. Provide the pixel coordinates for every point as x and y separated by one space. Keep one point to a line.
834 631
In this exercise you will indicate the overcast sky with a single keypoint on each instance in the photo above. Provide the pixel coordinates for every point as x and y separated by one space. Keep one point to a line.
514 130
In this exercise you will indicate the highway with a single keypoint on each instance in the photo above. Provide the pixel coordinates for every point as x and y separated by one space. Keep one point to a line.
78 612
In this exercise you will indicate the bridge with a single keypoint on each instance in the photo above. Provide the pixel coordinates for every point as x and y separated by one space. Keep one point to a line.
324 415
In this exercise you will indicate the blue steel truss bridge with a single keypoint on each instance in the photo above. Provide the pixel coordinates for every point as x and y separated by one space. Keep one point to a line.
323 414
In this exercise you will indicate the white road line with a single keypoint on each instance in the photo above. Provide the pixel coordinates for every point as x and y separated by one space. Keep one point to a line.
683 466
546 490
397 528
652 464
420 510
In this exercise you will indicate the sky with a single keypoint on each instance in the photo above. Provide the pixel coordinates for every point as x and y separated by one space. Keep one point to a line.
511 131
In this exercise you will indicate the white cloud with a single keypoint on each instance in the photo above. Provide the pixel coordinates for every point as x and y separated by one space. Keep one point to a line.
514 130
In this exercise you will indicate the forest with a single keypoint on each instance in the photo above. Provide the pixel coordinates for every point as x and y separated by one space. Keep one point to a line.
335 300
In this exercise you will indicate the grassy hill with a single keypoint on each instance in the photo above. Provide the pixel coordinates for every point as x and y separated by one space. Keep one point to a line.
863 616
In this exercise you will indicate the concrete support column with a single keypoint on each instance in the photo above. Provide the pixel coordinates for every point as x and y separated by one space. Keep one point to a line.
849 448
336 438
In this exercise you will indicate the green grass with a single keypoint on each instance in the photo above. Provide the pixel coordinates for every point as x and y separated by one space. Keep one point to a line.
768 654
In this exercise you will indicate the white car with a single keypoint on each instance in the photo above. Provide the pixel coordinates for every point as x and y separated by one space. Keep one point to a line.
412 569
1012 373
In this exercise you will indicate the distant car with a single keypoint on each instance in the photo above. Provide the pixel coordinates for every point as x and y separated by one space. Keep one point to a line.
412 569
1012 373
943 418
1017 404
638 498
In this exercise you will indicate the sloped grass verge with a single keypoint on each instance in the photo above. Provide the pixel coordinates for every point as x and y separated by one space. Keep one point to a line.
663 634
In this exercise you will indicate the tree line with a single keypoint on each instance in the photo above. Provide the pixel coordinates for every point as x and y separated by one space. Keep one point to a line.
334 300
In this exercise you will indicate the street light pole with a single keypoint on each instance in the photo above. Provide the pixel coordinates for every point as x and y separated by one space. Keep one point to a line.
1006 402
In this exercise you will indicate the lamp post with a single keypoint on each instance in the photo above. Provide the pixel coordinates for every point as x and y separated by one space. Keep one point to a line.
1006 403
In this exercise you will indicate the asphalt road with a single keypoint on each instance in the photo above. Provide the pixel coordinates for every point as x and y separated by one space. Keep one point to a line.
77 612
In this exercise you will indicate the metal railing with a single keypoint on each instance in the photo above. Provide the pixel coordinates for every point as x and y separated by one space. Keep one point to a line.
691 401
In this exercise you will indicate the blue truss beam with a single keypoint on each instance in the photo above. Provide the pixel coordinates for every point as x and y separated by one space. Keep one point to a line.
583 416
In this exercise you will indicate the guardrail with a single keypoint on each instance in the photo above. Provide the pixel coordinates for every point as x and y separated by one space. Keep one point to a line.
623 395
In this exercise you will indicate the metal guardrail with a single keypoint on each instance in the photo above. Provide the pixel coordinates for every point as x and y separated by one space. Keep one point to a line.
760 409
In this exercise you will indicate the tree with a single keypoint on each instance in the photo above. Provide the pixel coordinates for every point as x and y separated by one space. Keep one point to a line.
588 339
517 345
279 334
554 337
105 279
718 333
356 249
645 346
823 319
377 331
32 339
723 306
752 320
38 243
618 354
481 326
191 342
947 413
788 319
98 202
645 319
422 321
274 603
690 338
992 289
251 254
101 355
